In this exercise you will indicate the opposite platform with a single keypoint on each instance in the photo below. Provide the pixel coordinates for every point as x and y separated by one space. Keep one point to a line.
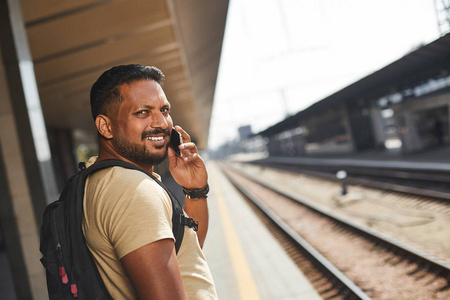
245 259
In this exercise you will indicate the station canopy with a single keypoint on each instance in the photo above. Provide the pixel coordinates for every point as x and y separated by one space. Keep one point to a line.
429 62
73 42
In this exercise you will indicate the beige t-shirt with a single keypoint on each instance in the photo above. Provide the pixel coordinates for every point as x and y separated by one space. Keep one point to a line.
124 210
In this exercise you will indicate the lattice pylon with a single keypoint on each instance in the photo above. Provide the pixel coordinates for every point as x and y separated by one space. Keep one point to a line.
442 8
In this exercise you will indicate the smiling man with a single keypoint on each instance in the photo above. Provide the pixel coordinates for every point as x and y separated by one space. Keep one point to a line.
127 215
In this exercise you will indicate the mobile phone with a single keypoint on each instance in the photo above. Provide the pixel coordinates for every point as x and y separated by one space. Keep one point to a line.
175 141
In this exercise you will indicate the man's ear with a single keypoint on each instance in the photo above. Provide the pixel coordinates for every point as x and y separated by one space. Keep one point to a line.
104 126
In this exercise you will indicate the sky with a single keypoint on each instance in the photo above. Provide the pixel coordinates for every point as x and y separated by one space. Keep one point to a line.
281 56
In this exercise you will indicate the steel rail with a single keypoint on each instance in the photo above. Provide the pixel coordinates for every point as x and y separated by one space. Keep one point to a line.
440 267
347 287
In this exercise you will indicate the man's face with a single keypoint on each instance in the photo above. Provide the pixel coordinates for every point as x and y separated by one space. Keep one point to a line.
141 131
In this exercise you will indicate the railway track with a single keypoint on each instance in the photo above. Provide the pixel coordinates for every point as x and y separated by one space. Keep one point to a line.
416 178
345 260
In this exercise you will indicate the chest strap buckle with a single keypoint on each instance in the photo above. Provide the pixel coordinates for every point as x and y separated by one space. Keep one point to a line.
189 222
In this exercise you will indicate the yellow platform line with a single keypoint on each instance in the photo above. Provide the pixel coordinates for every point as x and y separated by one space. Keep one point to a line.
246 284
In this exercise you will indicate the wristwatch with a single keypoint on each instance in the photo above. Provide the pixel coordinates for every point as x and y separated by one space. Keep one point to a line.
196 193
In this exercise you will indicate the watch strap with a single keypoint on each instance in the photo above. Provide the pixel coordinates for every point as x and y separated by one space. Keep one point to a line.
196 193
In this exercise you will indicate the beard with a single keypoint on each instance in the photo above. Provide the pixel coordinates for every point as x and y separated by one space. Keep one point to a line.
138 153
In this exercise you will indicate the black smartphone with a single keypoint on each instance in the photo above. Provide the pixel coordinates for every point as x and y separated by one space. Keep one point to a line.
175 141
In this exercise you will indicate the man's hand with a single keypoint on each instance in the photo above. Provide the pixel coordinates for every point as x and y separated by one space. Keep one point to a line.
188 171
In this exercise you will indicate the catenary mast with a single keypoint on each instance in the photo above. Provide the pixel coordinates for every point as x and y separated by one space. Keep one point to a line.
442 8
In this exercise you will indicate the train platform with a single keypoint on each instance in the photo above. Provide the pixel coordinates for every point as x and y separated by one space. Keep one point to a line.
245 260
435 159
434 154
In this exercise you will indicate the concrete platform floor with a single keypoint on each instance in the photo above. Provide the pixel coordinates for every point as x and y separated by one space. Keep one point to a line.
244 258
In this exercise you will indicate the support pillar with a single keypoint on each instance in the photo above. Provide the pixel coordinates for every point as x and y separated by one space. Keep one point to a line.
25 156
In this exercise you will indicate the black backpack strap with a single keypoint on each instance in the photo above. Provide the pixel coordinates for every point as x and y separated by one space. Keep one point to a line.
179 220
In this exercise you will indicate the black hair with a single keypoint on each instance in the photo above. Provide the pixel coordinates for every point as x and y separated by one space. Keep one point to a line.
105 92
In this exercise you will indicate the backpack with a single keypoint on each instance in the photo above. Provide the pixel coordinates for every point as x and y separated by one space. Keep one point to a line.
70 268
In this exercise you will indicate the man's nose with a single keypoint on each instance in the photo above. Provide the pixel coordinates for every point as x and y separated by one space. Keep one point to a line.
160 121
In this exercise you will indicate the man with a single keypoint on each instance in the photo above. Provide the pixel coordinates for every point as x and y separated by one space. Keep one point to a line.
127 215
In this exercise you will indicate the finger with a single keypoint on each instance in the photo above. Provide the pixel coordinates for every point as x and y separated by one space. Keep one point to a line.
184 134
190 157
188 149
188 146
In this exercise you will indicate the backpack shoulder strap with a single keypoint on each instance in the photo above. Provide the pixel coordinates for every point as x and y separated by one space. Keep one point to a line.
179 220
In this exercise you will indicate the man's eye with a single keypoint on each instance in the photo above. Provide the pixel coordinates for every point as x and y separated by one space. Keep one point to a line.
165 110
141 112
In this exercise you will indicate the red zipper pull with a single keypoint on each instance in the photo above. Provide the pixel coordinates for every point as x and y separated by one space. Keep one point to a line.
63 275
74 290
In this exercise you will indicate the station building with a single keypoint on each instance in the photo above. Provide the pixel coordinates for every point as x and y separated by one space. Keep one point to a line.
403 106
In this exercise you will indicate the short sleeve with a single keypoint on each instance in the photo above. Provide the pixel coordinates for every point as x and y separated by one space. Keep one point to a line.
136 212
